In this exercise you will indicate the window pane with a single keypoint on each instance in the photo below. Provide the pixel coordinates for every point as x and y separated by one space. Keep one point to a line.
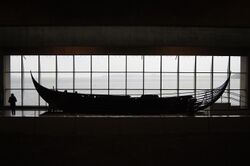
235 97
42 102
100 63
65 81
48 63
15 80
30 63
82 63
103 92
117 81
152 63
135 81
134 93
169 63
17 93
48 80
152 92
82 91
186 81
204 63
169 93
223 98
169 81
203 81
82 80
235 81
235 63
220 63
152 81
117 92
30 97
135 63
65 63
219 79
15 63
117 63
27 81
187 63
186 92
100 81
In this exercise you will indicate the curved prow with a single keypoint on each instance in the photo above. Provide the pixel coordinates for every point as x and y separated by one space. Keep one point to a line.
47 94
209 97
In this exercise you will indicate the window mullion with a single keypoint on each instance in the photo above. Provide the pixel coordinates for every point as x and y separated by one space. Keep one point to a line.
178 75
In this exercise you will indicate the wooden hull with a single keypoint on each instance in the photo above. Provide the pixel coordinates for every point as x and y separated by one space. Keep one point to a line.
125 105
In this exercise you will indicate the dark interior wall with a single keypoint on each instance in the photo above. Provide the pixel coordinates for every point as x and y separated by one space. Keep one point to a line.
126 12
125 141
126 39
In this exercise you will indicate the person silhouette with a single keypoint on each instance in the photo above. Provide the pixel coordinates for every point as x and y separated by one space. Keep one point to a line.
12 101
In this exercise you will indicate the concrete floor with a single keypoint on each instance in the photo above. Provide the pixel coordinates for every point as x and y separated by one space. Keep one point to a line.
124 140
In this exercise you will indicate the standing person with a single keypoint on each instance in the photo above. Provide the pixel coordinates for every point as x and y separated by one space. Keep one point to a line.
12 101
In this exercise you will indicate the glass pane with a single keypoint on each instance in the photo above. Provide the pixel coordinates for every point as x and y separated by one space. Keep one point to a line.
224 98
82 91
186 81
27 80
219 79
42 102
135 81
65 81
235 63
117 81
82 80
15 80
204 63
117 92
169 81
220 63
48 63
187 63
135 93
169 93
152 63
30 63
100 63
135 63
203 81
152 81
30 97
100 81
169 63
186 92
117 63
48 80
17 94
103 92
152 92
65 63
15 63
82 63
235 97
235 81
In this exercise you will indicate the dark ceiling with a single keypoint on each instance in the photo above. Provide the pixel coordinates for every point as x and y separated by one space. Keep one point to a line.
125 13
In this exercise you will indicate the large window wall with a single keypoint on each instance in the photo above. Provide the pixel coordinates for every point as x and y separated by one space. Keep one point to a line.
165 75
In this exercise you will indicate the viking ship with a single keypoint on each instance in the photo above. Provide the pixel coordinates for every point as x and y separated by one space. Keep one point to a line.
125 104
